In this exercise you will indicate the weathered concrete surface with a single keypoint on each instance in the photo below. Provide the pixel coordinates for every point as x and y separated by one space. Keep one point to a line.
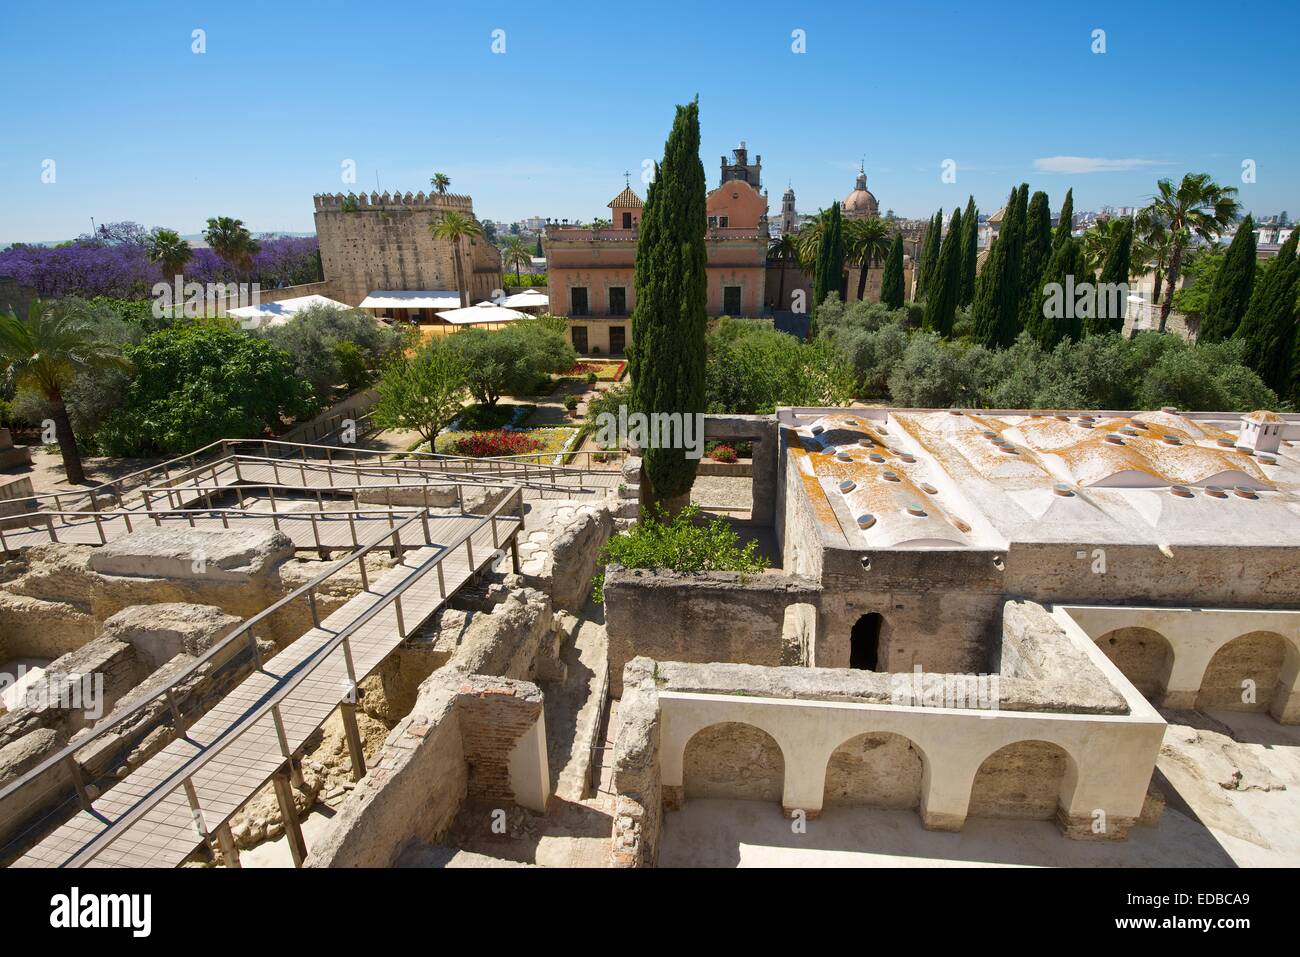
560 547
188 554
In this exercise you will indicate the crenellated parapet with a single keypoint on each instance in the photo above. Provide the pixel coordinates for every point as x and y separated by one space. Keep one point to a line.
386 200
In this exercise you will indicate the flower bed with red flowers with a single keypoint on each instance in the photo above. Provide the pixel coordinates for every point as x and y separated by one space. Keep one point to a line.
482 445
605 371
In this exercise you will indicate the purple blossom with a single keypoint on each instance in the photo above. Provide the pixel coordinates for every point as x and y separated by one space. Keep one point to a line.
90 268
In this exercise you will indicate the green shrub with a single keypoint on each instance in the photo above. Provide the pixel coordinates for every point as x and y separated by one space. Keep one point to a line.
684 544
198 382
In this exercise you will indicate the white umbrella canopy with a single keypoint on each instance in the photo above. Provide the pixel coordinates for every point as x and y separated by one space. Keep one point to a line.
480 313
529 299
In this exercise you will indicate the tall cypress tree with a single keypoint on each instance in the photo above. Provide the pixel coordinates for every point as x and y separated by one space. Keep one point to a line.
1269 325
929 254
830 262
1038 250
1230 295
1066 223
1108 315
970 227
891 280
1054 319
666 357
945 284
996 311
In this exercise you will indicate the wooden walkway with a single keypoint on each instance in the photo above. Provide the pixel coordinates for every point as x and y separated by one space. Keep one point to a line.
227 763
310 523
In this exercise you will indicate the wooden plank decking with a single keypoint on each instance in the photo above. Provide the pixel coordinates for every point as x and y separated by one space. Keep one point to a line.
242 763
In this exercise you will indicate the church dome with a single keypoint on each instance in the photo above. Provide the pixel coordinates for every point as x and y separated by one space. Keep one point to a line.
860 204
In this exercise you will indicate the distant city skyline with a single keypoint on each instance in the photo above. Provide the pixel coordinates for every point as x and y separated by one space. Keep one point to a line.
284 100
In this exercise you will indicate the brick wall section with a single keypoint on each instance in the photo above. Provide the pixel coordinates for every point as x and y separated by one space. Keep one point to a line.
493 716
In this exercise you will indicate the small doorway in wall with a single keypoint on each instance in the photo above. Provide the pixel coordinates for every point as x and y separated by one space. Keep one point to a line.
864 642
617 340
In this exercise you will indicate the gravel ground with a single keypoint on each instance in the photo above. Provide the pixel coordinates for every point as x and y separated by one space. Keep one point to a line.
723 491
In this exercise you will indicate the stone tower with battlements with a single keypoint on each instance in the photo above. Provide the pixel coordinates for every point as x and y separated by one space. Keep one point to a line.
381 241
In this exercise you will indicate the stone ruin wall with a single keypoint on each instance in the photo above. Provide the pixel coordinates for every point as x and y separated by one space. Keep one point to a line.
383 242
141 649
703 617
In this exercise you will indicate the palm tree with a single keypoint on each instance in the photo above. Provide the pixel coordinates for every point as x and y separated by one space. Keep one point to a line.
516 251
783 250
810 241
1153 245
866 241
165 247
1196 206
45 351
1097 242
440 182
453 227
232 241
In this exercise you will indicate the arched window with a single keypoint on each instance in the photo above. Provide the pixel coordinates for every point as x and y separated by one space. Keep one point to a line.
864 642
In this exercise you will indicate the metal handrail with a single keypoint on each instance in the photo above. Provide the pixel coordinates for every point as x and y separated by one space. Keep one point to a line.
272 701
114 720
116 488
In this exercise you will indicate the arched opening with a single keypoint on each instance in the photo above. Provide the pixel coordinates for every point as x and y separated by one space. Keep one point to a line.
878 769
1143 656
1243 675
733 760
1021 780
864 642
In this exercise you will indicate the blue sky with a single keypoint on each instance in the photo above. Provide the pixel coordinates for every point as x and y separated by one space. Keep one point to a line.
141 128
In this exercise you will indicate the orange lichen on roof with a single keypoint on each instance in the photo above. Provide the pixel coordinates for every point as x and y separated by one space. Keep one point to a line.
943 435
802 460
1263 415
1095 460
887 500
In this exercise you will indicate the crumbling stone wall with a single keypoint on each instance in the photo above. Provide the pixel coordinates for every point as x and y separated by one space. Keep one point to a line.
459 741
1197 575
880 770
560 548
698 616
1143 656
942 608
639 805
1244 674
1020 781
59 601
734 761
126 658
